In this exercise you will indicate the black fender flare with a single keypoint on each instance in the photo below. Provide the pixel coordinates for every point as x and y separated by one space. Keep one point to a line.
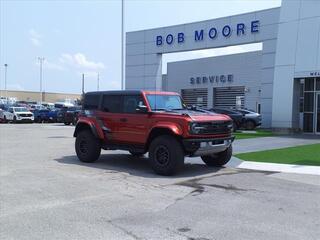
82 125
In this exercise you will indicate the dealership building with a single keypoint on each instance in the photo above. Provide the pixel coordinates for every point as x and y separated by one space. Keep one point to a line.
281 81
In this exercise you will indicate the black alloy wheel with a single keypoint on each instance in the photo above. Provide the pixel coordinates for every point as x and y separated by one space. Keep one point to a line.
162 155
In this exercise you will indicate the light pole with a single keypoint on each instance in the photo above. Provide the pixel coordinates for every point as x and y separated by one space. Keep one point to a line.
41 60
5 81
98 82
122 45
82 83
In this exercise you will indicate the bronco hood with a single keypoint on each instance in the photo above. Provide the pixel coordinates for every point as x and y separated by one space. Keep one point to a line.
203 115
209 117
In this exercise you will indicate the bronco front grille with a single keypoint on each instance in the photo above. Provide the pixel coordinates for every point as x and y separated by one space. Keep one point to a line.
216 127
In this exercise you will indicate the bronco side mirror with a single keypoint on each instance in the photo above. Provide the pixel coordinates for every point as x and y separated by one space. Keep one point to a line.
142 109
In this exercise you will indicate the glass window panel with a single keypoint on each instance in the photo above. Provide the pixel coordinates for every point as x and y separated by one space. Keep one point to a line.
131 103
301 89
308 101
318 113
112 103
91 101
309 84
318 84
308 122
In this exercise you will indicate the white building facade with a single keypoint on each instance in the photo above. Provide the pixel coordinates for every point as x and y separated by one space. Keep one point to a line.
282 80
217 81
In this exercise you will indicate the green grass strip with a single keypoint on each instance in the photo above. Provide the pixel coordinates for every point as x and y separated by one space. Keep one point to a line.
300 155
259 133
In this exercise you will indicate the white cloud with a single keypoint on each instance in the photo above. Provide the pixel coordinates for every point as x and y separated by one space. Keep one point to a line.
35 37
80 61
53 66
77 63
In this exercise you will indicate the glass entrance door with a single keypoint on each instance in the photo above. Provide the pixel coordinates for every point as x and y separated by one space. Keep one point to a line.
318 113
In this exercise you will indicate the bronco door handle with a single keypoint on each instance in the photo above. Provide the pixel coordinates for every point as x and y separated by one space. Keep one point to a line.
123 120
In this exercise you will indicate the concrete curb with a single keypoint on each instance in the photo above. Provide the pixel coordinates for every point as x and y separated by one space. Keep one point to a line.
273 167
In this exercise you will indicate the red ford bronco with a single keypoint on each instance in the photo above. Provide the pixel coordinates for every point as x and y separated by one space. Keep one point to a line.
154 122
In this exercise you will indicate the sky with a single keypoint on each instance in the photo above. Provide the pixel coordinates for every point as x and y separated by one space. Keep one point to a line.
78 37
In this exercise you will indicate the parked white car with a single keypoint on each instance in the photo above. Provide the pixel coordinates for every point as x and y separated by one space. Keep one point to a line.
18 114
48 105
1 115
63 104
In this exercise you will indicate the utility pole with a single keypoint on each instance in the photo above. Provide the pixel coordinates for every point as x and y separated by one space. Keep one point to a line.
122 44
41 60
98 82
82 83
5 81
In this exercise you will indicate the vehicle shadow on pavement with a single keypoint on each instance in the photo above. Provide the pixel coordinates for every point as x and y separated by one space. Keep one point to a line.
138 166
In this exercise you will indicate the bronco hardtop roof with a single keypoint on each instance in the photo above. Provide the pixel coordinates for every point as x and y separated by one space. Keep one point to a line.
129 92
117 92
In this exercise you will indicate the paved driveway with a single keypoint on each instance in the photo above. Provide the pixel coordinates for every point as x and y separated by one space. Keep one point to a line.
46 193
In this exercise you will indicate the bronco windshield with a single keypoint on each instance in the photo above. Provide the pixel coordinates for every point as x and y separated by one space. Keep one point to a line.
165 102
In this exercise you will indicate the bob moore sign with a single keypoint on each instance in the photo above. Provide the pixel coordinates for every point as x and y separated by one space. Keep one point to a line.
213 33
212 79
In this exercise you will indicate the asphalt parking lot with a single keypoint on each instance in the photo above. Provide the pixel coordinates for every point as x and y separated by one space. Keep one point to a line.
46 193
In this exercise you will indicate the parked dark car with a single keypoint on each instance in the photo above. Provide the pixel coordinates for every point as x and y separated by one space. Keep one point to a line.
69 115
53 115
251 119
41 115
236 117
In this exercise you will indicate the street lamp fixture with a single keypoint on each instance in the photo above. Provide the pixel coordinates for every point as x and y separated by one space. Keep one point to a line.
5 81
41 60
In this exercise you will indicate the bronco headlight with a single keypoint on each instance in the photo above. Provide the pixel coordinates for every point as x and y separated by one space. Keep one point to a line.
195 128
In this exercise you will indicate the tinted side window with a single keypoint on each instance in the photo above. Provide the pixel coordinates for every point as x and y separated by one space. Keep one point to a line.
112 103
91 101
58 105
130 103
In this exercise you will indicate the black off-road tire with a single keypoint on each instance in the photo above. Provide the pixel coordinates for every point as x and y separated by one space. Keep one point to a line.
5 119
166 155
88 147
218 159
14 119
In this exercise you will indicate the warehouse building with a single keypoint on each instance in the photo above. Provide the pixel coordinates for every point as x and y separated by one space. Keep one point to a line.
282 81
31 96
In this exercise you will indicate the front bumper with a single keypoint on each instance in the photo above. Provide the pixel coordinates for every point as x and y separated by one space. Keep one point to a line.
25 119
202 147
